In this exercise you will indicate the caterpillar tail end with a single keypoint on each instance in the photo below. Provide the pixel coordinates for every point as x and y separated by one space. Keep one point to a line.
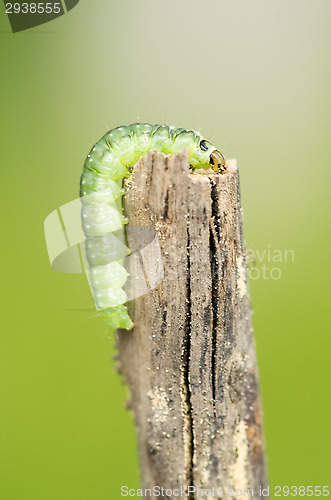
117 317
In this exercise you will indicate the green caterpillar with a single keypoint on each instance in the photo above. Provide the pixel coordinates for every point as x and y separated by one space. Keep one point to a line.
108 163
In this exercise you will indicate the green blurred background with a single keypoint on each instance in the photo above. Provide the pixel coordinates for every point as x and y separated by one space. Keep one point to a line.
254 77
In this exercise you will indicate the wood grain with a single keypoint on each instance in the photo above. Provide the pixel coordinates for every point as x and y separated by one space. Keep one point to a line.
190 360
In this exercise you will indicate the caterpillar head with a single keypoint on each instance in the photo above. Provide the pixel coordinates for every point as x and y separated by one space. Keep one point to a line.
210 157
202 154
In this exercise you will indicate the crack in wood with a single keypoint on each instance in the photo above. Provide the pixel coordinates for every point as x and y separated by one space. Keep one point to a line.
214 285
186 371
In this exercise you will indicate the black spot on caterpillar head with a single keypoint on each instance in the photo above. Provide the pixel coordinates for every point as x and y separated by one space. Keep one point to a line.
203 146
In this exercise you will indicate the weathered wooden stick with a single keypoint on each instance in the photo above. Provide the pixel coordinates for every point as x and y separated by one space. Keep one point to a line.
190 361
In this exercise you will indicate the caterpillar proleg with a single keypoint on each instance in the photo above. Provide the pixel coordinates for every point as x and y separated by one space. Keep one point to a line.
108 163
